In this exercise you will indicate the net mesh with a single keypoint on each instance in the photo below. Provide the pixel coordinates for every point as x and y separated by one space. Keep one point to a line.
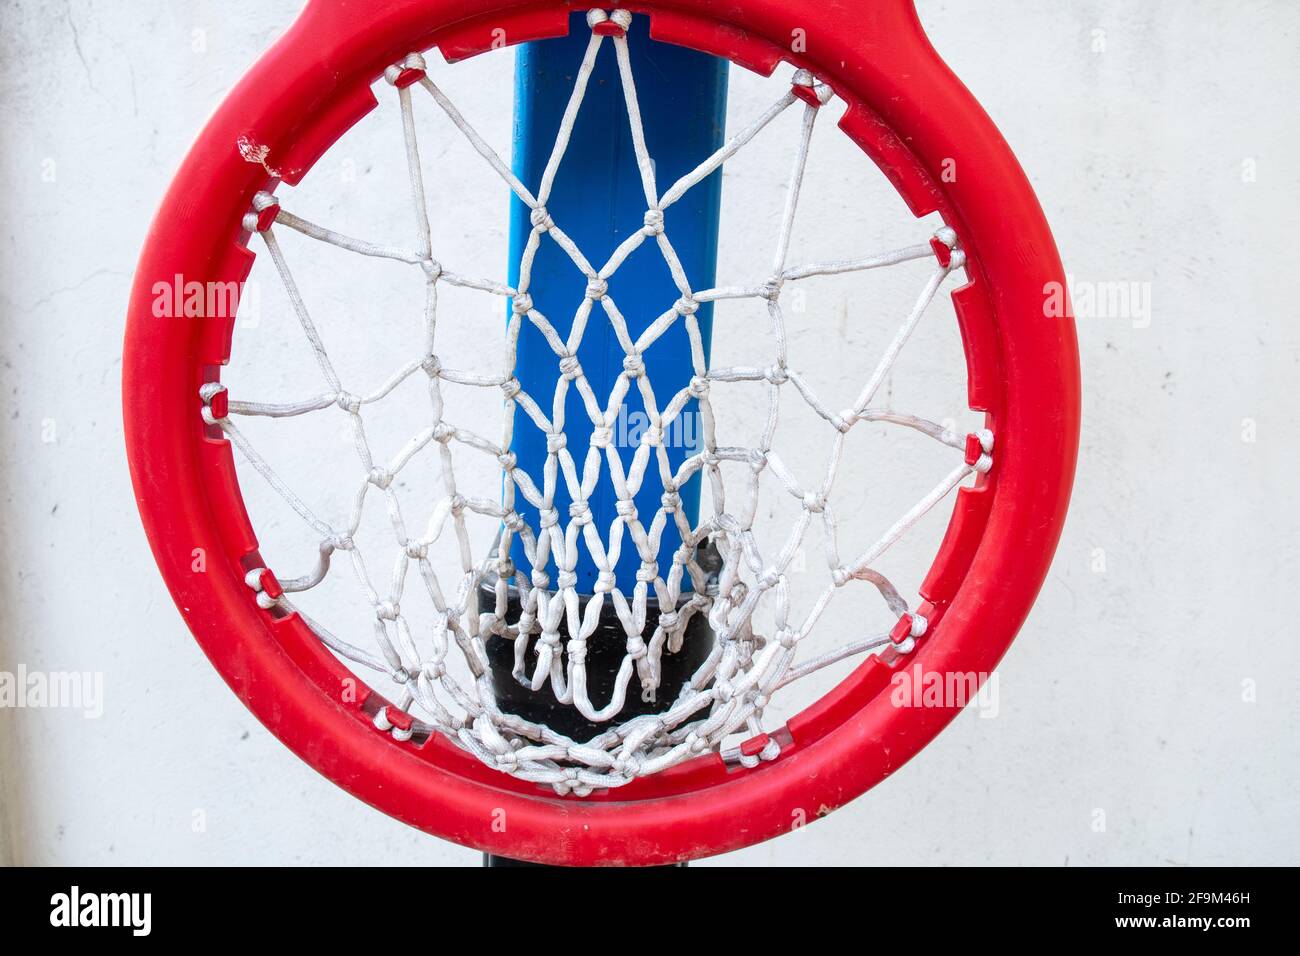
729 693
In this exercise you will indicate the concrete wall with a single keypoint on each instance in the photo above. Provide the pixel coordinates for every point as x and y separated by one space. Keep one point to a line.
1147 714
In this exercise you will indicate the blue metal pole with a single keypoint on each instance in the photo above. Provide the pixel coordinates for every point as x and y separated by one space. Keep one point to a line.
598 200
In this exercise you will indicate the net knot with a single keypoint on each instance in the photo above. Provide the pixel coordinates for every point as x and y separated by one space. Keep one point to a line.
577 649
597 288
505 570
654 222
670 501
696 743
458 504
556 442
442 433
699 386
432 366
416 551
514 521
636 648
604 582
433 670
602 436
814 503
628 767
386 611
580 513
348 402
511 388
381 478
570 368
841 576
648 572
777 374
771 577
669 620
432 269
787 637
548 518
771 289
572 782
653 436
686 305
508 460
507 761
634 366
541 219
625 508
523 303
342 542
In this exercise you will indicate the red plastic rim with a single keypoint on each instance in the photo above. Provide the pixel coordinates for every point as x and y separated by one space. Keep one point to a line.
915 119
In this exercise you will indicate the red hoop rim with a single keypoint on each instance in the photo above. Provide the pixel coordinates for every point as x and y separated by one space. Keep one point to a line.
912 116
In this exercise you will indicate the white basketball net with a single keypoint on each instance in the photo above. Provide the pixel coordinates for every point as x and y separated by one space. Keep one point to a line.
728 694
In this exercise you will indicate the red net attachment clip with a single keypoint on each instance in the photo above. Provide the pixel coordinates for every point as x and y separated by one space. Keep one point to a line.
216 402
407 73
753 751
262 214
270 585
944 244
979 450
906 630
266 586
805 86
609 24
399 723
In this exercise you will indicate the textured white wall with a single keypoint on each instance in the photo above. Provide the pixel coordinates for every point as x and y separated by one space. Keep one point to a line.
1153 683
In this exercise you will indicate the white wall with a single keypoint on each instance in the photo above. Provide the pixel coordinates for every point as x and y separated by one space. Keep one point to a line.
1158 691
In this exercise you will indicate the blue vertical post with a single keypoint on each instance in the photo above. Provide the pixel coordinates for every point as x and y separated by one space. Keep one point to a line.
598 200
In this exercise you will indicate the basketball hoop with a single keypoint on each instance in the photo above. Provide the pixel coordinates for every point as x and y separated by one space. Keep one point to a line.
623 586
